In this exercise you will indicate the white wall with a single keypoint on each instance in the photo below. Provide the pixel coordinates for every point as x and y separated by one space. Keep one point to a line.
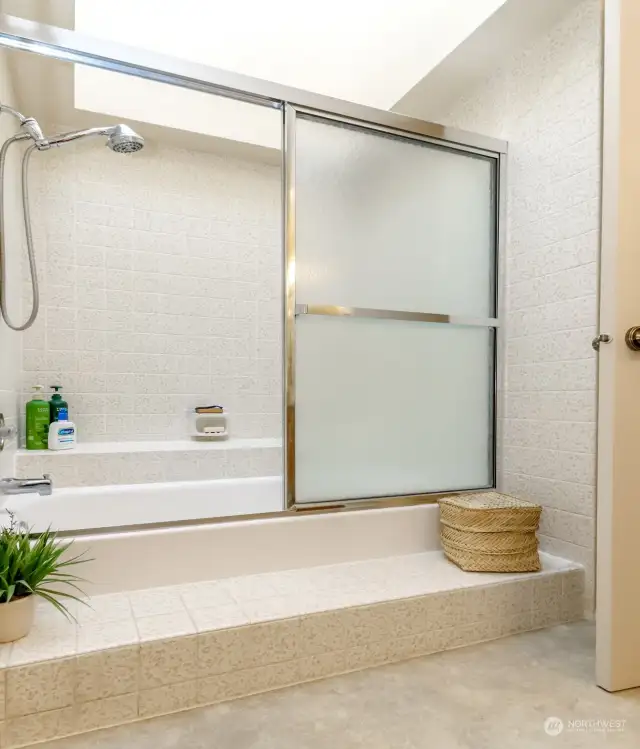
10 341
546 103
161 289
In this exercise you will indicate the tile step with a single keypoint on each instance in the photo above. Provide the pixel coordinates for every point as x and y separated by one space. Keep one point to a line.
150 652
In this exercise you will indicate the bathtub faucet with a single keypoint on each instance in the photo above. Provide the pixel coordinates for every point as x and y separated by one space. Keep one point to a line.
27 486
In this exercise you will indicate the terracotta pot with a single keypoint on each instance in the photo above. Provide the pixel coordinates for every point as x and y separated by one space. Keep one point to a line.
16 618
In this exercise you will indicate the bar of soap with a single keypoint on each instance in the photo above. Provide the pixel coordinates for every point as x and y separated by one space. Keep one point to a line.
209 409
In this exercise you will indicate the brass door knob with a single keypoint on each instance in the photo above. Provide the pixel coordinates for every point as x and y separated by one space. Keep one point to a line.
632 338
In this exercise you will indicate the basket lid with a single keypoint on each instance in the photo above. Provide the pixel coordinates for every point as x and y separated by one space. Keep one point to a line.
488 501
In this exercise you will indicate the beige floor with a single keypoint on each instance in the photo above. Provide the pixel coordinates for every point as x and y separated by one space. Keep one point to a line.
495 695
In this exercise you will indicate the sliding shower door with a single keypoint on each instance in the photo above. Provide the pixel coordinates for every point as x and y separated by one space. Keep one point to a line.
392 313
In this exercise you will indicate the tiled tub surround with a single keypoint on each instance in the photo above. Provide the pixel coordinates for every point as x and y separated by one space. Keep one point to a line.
146 653
546 102
161 288
99 464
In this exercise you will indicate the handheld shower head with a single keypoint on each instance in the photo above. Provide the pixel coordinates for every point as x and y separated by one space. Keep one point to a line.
122 139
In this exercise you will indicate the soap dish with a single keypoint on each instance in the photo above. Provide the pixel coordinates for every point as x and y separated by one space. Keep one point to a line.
210 426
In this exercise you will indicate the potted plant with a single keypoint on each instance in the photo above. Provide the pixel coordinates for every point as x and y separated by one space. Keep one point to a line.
31 568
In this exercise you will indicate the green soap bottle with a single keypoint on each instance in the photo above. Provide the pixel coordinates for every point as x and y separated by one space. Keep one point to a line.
58 408
37 421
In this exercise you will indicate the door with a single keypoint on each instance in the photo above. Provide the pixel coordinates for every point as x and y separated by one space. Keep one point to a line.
392 313
618 521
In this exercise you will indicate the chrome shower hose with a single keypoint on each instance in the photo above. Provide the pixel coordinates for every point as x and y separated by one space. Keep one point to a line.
28 234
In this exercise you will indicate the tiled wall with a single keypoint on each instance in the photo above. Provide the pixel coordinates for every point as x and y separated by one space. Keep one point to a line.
546 103
10 341
161 289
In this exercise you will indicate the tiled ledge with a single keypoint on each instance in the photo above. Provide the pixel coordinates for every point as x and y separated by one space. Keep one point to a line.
98 464
145 653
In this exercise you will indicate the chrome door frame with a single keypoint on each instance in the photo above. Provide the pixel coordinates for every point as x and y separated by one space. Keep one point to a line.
74 47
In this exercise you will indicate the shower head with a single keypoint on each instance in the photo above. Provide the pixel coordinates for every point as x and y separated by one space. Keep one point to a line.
122 139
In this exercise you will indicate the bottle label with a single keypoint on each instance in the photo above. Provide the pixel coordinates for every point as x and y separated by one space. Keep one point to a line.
65 431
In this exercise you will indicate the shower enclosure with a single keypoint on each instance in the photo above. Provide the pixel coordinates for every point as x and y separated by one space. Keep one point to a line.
387 301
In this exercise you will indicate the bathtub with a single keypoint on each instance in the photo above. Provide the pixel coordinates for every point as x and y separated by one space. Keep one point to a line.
126 554
111 507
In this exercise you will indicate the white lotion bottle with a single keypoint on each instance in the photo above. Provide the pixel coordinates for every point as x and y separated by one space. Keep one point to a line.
62 435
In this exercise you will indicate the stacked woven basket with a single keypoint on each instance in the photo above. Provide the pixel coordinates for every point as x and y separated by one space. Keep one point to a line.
490 532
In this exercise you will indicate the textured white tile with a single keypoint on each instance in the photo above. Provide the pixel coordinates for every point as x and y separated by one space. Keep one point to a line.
106 608
163 626
221 617
570 497
550 464
103 635
569 253
574 529
567 376
552 435
279 607
551 347
578 406
43 643
555 287
249 588
206 595
156 601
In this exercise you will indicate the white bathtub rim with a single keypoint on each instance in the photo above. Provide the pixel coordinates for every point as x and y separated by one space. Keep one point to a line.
81 511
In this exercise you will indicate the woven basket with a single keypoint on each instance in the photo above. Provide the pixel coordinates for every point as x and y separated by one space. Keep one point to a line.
503 542
476 561
489 512
490 532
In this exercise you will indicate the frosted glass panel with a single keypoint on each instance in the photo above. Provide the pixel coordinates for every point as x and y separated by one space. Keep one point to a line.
387 223
386 407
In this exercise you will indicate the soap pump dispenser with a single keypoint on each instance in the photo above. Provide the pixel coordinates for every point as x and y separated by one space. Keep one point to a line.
37 421
58 408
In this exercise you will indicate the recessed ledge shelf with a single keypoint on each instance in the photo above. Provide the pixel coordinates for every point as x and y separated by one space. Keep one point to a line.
99 448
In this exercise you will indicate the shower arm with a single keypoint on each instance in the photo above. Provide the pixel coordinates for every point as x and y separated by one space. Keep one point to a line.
58 140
